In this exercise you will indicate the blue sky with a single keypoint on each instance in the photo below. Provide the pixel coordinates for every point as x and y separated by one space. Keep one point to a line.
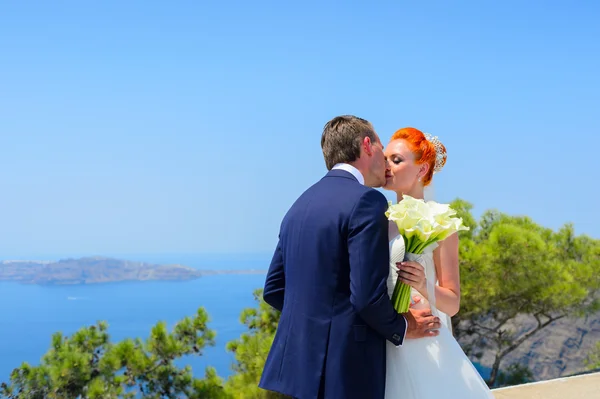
186 126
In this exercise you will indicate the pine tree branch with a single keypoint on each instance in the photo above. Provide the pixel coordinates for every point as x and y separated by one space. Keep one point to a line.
526 336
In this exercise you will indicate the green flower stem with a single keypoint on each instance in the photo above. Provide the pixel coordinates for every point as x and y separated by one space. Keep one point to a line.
401 297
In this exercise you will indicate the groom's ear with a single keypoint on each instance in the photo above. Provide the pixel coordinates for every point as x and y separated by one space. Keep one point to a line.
367 146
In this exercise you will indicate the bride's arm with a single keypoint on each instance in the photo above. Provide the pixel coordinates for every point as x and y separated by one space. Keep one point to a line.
447 293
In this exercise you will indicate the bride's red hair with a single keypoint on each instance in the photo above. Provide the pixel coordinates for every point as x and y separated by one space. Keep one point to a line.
423 149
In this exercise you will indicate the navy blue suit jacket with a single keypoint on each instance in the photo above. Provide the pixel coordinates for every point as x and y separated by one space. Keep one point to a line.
328 277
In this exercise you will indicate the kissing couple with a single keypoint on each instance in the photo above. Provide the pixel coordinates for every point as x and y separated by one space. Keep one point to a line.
339 336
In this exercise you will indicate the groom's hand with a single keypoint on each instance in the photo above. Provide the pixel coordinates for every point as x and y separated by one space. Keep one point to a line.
421 323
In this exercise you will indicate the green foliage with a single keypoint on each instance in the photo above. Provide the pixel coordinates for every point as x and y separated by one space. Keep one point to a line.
251 351
463 210
87 365
592 361
514 374
511 267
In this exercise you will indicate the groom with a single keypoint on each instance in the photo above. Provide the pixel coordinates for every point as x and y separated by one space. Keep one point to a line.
328 278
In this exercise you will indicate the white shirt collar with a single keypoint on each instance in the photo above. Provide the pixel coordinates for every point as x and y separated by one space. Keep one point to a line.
351 169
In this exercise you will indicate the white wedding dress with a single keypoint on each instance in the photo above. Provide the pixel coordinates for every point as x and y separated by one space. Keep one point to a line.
431 367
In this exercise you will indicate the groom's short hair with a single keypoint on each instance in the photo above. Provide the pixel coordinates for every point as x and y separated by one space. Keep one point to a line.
342 138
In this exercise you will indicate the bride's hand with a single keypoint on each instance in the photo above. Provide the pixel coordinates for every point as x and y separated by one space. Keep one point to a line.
413 274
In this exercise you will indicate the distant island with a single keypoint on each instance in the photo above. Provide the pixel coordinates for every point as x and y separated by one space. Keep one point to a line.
97 270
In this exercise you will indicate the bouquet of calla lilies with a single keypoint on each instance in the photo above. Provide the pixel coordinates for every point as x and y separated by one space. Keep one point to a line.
420 224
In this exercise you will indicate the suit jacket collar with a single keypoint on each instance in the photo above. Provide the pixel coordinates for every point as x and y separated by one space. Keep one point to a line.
352 170
341 173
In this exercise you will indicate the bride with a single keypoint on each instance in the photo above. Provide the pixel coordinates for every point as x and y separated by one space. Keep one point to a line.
431 367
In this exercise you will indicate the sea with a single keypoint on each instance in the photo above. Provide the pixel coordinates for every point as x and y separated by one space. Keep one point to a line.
30 314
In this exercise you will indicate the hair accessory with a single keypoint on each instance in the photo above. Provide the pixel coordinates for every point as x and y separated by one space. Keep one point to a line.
440 153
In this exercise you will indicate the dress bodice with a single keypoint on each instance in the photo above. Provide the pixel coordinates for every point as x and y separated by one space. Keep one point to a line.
397 254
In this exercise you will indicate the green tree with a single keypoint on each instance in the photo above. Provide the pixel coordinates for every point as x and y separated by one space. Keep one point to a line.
251 351
511 267
87 365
